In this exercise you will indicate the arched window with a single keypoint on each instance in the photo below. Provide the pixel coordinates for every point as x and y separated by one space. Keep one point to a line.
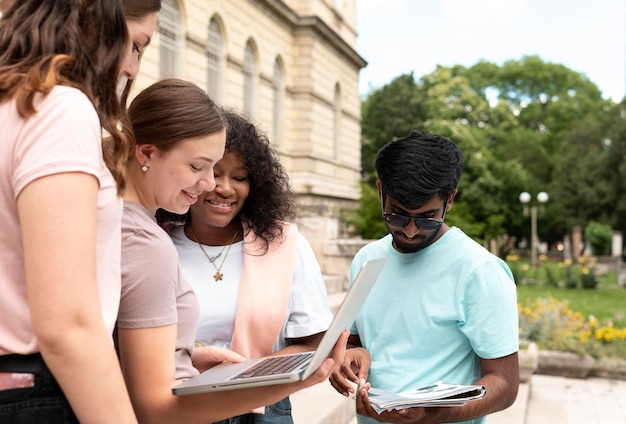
171 40
215 58
336 122
278 86
249 77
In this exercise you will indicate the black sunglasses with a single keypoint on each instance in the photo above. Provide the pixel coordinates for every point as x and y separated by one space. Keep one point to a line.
429 224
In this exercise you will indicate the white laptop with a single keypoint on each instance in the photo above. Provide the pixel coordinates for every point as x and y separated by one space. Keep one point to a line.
292 367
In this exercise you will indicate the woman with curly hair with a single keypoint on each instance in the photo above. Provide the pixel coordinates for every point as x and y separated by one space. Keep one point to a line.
258 282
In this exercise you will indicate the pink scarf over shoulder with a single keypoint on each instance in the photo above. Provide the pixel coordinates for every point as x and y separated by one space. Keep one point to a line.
264 291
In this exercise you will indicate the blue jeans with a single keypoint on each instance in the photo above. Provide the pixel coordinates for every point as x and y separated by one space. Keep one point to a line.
277 413
44 403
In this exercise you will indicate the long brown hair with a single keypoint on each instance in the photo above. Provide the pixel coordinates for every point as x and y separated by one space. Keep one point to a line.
171 111
77 43
138 9
119 153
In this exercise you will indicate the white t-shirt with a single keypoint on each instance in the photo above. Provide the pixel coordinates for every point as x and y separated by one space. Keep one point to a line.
308 312
63 136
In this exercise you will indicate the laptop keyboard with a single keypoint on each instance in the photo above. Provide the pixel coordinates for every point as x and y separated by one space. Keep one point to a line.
275 365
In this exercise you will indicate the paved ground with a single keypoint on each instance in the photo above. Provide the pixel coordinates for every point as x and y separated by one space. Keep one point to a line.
576 401
544 400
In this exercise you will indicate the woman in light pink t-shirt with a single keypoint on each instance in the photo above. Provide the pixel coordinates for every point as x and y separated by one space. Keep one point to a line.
60 211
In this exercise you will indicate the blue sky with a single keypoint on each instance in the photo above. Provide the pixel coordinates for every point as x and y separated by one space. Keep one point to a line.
399 36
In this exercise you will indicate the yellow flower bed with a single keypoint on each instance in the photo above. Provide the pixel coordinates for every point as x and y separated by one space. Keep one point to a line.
553 325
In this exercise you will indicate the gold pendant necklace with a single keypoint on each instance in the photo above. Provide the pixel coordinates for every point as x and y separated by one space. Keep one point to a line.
218 274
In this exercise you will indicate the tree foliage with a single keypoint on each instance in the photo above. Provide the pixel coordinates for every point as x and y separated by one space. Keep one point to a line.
387 114
527 125
599 237
367 219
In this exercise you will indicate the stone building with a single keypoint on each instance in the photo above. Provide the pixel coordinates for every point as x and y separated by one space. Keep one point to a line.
292 65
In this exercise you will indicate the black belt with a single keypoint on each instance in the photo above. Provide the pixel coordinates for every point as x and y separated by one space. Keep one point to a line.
23 363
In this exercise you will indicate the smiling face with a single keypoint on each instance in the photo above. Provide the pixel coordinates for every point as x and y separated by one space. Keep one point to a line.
176 178
217 209
140 33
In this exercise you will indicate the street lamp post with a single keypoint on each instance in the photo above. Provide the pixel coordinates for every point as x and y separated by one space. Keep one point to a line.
542 198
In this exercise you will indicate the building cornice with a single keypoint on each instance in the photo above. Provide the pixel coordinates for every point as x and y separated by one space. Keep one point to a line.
312 24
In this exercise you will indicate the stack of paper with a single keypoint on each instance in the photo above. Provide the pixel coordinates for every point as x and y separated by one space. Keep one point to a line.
437 394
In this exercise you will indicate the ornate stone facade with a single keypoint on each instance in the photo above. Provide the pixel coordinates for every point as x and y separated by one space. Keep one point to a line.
293 66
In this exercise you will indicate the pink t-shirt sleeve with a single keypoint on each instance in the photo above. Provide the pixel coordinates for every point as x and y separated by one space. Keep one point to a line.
60 139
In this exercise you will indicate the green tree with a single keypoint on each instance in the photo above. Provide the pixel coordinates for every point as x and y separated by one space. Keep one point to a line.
366 221
579 179
389 113
527 125
548 100
613 174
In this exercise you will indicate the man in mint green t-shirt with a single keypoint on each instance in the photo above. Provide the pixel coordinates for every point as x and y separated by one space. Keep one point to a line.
443 308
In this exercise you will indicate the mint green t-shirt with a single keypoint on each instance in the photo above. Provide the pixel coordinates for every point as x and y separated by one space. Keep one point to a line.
432 314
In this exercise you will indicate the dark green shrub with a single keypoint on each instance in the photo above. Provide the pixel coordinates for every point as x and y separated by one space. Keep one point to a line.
599 236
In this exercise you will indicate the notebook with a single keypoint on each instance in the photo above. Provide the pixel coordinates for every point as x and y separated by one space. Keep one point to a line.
292 367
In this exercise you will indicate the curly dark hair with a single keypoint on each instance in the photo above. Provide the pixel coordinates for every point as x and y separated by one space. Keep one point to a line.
270 202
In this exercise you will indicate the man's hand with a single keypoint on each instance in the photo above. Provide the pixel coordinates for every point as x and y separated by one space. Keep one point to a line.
354 368
406 415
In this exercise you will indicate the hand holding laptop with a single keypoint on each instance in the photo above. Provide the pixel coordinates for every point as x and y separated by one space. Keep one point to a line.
321 374
271 370
329 365
205 357
217 355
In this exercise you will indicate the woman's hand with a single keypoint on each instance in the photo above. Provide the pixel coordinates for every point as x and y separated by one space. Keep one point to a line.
329 365
206 357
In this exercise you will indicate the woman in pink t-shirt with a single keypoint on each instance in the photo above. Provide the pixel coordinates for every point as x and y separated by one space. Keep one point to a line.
60 212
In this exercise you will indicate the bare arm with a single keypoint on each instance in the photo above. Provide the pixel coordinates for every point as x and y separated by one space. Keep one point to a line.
501 379
58 216
302 344
354 341
149 372
499 376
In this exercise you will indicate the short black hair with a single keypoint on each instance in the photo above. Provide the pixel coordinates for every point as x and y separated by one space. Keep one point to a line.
419 167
